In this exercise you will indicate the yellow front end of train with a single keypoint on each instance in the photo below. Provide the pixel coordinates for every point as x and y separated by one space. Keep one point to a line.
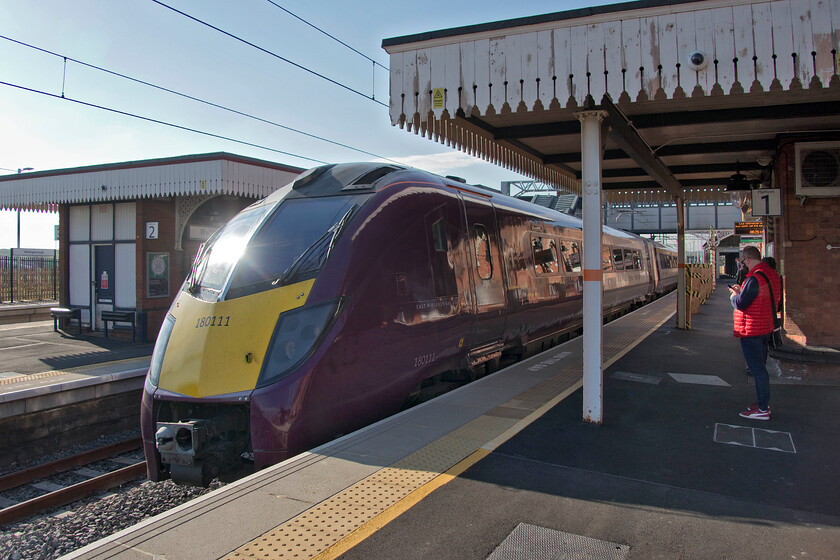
218 348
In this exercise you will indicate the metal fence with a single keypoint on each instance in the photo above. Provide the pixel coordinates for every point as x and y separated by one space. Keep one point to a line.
27 278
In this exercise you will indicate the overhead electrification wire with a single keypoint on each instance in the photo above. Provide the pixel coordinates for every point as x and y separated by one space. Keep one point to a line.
336 39
268 52
157 121
192 98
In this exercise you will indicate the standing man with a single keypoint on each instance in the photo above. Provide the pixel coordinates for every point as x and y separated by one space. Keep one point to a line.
754 313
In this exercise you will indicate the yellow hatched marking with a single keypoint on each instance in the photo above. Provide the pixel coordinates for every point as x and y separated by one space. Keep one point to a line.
334 526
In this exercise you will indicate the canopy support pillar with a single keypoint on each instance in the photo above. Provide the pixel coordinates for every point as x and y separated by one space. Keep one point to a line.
593 383
681 299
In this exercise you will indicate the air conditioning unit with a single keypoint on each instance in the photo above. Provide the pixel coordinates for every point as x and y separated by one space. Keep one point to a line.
818 169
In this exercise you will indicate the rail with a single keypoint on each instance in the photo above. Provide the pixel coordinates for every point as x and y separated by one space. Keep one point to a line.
72 493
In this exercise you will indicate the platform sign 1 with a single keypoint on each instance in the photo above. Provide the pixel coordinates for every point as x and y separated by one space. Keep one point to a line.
767 202
749 228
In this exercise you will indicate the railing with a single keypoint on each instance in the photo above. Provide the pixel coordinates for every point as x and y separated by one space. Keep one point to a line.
27 278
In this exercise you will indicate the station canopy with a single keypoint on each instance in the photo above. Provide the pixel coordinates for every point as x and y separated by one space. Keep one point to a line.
202 175
692 93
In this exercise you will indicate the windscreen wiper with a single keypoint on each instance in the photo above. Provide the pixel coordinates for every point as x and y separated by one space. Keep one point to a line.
317 246
199 266
338 227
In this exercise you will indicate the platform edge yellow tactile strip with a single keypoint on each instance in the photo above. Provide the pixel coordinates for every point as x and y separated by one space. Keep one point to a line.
335 525
68 371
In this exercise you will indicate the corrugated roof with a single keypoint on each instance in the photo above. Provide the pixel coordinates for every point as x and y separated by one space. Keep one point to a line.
213 173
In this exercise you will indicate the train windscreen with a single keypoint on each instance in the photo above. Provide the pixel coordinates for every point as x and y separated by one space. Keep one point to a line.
293 243
221 252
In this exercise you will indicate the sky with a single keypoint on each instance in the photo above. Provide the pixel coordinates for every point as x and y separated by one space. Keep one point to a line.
52 125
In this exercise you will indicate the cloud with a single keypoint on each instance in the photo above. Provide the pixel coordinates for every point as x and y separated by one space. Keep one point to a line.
440 163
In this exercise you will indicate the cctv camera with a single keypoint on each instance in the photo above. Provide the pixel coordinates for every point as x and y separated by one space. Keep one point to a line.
697 60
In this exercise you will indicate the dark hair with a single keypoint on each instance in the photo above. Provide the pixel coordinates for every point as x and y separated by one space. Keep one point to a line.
771 262
751 252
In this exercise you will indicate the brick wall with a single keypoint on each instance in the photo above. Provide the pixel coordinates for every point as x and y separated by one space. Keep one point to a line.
812 312
161 211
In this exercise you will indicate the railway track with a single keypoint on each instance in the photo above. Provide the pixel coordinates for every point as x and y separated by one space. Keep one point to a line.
60 494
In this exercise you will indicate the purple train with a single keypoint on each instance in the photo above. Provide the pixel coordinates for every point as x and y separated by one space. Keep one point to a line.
331 303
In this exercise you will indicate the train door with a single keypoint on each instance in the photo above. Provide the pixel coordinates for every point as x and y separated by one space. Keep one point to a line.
652 267
487 277
103 280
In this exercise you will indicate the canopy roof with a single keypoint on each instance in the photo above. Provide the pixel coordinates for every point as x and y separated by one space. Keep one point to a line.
508 91
214 173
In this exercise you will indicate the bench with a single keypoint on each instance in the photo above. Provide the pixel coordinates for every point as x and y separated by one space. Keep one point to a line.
68 313
120 317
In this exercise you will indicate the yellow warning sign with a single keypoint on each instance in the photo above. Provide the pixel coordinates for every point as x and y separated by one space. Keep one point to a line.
437 98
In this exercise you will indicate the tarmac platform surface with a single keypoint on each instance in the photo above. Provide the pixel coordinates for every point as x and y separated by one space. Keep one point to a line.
506 468
673 472
42 369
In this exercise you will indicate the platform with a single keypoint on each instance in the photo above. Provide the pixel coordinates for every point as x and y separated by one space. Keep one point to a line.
43 369
505 467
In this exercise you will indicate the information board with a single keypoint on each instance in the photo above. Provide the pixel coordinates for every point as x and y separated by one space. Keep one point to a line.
749 228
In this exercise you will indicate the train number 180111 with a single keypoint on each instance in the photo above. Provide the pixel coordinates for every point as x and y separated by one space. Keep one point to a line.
424 359
213 321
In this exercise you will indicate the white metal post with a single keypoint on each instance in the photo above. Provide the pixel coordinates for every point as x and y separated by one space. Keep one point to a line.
590 143
682 319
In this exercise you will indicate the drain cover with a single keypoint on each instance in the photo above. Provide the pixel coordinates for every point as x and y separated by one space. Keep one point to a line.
529 542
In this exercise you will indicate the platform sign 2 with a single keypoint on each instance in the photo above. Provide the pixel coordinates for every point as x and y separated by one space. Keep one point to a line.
767 202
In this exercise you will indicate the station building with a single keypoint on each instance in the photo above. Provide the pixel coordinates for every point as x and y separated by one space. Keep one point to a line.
128 232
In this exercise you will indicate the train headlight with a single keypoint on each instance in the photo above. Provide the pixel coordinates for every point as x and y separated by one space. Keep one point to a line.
296 335
160 349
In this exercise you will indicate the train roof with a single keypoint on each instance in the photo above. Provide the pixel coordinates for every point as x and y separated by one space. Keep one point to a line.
360 177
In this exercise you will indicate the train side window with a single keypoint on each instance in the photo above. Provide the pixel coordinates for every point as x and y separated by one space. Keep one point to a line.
571 256
576 258
606 261
618 259
439 236
637 260
483 260
545 255
629 263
